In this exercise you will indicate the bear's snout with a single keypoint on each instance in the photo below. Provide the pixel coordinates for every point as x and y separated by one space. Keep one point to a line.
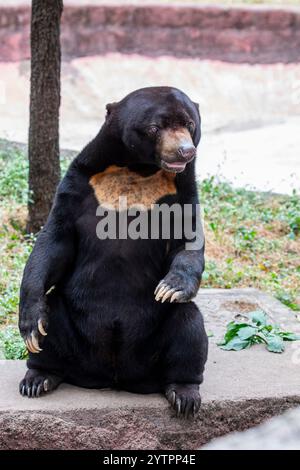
187 152
176 149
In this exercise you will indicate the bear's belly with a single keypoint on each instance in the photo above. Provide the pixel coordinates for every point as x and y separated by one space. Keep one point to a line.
103 347
112 270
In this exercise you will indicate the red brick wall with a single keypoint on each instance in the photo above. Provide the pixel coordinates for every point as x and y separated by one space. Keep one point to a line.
254 35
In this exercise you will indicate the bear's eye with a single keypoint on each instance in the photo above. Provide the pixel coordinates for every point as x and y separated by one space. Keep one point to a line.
191 127
152 130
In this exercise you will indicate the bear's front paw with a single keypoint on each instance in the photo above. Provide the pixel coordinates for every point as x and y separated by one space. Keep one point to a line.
176 287
33 323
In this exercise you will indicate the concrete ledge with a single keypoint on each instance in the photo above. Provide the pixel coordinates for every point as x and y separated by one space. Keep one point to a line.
234 34
241 389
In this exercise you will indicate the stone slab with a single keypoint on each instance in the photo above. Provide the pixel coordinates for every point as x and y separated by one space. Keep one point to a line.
241 389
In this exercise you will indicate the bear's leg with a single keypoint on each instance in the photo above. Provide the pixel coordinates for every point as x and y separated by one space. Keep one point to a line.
37 382
184 356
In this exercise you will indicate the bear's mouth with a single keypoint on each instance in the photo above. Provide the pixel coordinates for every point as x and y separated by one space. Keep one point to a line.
176 167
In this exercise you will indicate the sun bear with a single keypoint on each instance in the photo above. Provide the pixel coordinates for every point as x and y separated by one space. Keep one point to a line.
115 311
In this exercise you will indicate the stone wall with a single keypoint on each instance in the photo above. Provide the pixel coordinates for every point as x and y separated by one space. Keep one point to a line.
254 35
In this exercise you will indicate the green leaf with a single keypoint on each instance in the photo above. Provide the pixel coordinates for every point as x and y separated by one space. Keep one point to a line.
275 344
266 329
258 317
236 344
243 335
247 332
256 339
287 336
232 330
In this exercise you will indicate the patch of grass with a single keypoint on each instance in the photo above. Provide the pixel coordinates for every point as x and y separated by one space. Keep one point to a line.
13 176
15 246
11 344
252 239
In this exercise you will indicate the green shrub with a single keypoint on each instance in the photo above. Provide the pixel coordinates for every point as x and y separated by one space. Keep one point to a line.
11 344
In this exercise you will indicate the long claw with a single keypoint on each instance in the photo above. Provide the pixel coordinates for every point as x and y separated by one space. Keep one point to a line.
175 296
196 407
178 406
39 390
29 345
158 286
23 391
161 292
46 385
168 294
189 407
171 396
30 342
41 328
35 342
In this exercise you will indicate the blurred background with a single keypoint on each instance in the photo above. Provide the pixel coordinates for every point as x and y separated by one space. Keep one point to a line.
239 60
242 68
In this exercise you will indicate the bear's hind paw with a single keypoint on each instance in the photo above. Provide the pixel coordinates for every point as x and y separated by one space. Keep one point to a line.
37 383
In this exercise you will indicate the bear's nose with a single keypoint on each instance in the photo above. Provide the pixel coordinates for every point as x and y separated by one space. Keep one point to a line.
187 151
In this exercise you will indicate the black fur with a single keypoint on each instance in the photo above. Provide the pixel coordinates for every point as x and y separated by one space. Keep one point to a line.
105 328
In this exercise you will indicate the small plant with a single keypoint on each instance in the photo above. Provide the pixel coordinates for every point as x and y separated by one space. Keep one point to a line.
13 176
243 335
290 215
11 344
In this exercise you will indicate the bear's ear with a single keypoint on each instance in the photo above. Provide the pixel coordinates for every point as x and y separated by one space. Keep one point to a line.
109 108
197 133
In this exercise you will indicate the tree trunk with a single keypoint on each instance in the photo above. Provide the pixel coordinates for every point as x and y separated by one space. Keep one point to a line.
43 147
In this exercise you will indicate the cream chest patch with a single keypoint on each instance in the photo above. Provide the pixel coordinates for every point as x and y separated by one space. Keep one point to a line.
116 182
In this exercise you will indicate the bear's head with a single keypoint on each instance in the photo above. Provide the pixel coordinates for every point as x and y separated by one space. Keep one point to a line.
158 126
